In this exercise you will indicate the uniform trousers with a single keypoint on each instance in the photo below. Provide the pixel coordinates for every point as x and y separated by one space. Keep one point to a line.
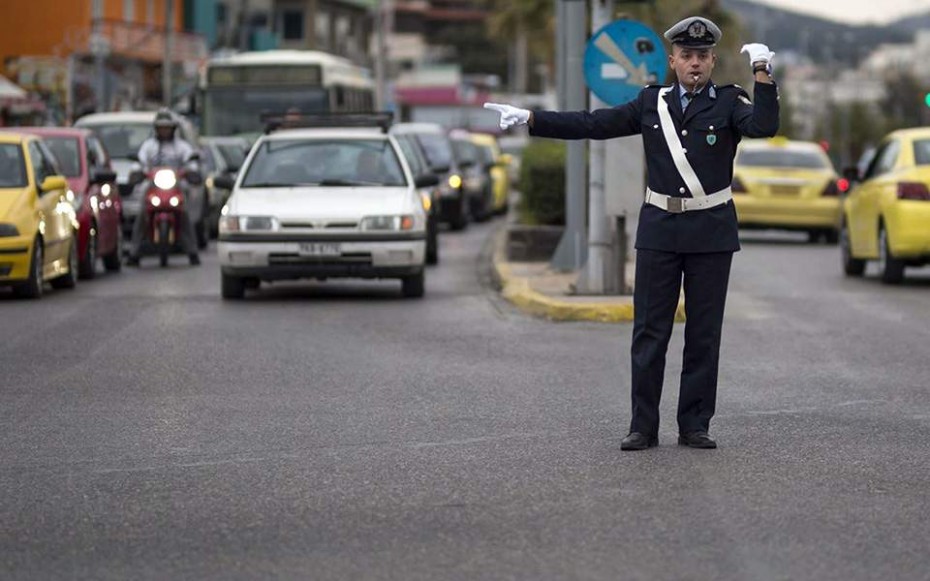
659 278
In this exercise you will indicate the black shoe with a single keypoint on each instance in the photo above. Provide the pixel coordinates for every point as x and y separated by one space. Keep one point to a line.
637 441
696 440
132 261
195 260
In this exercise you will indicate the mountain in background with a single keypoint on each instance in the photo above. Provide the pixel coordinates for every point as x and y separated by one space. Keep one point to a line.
823 40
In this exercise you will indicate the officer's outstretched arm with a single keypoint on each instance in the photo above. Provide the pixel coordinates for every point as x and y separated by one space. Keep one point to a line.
600 124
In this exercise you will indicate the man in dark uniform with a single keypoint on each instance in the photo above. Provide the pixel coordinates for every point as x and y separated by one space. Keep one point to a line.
687 226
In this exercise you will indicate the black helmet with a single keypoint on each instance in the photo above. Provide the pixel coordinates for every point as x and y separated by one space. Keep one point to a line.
165 118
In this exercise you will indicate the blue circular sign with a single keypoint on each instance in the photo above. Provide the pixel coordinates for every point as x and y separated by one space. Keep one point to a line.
621 58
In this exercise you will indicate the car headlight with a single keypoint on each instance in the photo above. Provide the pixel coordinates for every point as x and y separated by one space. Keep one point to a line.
8 230
77 202
392 223
165 179
455 181
427 201
248 224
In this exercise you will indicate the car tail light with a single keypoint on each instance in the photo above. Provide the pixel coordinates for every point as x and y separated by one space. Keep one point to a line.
913 191
835 188
737 186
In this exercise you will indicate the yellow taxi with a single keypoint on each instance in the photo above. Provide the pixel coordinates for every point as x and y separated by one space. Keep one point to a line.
887 212
787 185
497 163
37 218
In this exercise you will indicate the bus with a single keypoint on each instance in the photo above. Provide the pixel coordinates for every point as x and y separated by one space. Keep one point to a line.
237 89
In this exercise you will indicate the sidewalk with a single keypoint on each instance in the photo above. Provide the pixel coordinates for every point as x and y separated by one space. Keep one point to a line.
535 288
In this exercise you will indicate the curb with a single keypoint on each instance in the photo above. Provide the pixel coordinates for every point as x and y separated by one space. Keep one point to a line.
517 290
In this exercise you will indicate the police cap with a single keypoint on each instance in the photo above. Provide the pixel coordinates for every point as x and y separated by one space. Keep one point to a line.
694 32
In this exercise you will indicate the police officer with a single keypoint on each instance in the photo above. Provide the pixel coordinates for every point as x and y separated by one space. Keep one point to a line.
164 148
687 227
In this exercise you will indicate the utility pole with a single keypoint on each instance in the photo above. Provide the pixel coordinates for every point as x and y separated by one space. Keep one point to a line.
98 49
383 25
572 251
167 59
598 272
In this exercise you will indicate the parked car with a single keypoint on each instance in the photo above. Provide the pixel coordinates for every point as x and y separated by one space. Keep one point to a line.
419 166
496 164
787 185
436 147
886 213
322 203
222 156
86 165
122 134
475 178
38 224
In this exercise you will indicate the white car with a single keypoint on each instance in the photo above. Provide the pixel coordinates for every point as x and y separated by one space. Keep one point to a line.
324 203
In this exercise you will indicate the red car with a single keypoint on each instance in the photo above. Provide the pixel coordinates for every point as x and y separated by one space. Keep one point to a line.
86 165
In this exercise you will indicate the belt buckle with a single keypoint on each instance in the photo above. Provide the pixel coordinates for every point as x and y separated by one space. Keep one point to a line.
675 205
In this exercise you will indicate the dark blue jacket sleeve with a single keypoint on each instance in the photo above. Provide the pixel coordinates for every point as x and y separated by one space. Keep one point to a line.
759 119
600 124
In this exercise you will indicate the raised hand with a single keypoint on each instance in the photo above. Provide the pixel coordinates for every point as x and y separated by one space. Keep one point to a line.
510 115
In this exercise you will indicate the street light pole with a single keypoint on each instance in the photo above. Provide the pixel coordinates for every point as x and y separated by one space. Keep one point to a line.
169 49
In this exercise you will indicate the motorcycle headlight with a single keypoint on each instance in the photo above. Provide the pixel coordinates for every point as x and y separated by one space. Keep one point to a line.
156 201
165 179
248 224
174 201
391 223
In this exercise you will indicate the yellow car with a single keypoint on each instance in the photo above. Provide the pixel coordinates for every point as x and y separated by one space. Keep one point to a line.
37 218
497 166
887 213
787 185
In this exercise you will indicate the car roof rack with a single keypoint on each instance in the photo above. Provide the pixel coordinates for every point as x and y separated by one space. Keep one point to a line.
275 121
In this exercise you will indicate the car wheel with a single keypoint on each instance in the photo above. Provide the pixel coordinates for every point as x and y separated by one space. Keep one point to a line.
69 280
232 287
432 241
460 220
113 262
32 288
851 266
88 266
891 269
413 287
831 236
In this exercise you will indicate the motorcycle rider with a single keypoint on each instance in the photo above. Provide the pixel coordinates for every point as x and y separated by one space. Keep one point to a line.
164 149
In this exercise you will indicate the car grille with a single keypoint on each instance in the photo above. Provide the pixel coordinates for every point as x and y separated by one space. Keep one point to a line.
311 226
5 269
347 258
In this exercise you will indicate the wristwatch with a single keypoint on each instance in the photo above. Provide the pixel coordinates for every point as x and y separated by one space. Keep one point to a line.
762 67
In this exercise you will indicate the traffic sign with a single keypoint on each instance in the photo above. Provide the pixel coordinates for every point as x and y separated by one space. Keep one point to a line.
621 58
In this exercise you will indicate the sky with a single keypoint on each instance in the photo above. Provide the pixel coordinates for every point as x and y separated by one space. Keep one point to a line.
854 11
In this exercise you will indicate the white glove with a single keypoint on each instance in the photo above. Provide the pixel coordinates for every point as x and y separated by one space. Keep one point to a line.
510 115
758 53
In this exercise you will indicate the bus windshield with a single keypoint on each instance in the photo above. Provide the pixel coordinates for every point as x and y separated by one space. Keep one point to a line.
229 111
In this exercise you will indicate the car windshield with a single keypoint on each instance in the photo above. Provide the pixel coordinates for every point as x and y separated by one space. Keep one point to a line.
464 152
123 139
437 149
782 158
922 152
319 162
12 168
486 154
67 152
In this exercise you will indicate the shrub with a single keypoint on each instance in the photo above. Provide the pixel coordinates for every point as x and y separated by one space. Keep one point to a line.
542 182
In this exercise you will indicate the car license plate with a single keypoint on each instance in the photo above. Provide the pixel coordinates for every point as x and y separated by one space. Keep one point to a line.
784 190
319 249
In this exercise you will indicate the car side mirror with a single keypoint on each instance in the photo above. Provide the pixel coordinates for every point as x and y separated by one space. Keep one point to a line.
427 180
52 183
851 173
194 178
133 157
224 182
193 157
441 169
506 159
103 176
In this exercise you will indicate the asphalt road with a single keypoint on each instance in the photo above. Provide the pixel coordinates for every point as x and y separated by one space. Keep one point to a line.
149 430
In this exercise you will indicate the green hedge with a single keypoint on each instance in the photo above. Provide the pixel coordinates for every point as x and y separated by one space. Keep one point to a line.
542 182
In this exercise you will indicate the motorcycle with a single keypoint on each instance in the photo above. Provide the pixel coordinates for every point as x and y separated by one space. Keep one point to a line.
164 204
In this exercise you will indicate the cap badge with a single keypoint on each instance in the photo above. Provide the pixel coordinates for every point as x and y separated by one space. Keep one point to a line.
697 29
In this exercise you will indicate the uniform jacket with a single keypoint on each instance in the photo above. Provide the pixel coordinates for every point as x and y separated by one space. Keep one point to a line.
174 153
709 129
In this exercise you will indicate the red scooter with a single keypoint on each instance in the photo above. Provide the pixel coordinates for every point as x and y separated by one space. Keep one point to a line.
164 203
